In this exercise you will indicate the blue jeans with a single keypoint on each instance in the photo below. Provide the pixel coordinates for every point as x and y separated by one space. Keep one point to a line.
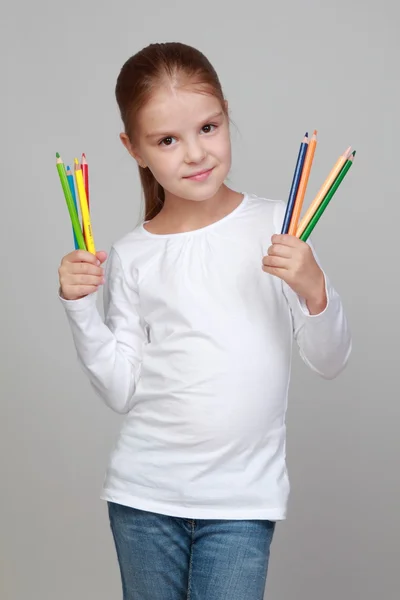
169 558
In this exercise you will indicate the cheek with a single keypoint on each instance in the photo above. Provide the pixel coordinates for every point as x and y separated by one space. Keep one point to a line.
223 148
162 164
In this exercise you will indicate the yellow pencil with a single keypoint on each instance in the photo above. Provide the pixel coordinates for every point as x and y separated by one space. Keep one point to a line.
301 192
322 192
87 226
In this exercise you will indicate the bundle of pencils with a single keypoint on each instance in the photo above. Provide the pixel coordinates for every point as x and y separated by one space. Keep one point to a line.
83 235
292 224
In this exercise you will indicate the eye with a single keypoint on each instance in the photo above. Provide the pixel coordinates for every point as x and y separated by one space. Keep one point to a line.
168 141
208 128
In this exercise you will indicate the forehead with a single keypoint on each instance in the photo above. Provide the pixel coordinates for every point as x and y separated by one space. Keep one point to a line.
170 108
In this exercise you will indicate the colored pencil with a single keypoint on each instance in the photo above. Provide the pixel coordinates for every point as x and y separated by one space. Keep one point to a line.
70 202
85 175
298 204
70 178
295 183
87 226
323 191
314 220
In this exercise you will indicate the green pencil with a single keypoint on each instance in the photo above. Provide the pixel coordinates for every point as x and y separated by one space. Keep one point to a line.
318 213
70 203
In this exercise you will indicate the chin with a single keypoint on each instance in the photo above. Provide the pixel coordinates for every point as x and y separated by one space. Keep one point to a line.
200 192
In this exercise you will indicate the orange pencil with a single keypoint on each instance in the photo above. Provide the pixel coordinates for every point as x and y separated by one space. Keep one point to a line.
298 205
329 181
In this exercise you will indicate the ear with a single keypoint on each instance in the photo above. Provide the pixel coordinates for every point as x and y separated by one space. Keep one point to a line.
127 143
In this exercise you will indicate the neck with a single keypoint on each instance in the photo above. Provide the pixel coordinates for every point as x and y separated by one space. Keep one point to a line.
184 213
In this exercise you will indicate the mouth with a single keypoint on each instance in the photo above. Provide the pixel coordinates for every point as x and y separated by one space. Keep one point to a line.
200 175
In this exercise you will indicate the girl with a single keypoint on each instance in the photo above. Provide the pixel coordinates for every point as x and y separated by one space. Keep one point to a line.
200 313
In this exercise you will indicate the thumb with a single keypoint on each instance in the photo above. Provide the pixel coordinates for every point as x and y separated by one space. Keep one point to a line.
101 256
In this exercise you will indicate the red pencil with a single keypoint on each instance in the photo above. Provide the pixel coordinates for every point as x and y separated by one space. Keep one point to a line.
85 173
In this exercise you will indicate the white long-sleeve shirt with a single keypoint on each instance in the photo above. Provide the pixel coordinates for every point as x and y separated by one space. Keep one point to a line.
196 350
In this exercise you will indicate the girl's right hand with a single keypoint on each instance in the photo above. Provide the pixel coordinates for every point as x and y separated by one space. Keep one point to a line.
80 274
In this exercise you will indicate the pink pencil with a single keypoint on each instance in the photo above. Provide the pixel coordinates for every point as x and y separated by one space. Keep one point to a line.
85 173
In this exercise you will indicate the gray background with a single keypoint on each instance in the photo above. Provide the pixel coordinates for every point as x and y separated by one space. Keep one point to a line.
286 67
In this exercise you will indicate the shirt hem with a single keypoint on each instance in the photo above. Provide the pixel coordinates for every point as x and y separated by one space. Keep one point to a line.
195 512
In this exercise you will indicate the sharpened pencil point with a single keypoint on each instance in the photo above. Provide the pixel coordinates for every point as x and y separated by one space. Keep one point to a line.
57 155
348 152
76 161
315 132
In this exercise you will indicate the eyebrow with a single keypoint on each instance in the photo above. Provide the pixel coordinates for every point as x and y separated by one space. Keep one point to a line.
161 134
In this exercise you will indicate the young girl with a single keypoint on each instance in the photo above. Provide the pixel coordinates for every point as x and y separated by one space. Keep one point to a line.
202 301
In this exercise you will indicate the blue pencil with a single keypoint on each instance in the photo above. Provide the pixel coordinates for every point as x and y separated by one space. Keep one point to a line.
295 184
71 184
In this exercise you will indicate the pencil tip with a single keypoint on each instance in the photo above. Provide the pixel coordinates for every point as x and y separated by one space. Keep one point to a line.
306 134
84 155
57 155
76 161
353 153
315 132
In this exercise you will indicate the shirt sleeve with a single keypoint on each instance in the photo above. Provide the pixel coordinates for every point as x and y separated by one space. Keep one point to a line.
110 351
324 340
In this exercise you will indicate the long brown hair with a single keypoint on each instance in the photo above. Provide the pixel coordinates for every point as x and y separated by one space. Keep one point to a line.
138 79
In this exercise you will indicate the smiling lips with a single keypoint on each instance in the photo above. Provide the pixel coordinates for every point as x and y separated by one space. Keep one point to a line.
200 175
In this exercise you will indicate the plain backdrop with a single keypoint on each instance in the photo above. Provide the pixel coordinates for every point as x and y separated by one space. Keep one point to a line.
286 67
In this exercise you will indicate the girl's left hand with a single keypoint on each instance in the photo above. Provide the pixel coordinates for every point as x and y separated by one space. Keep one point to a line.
292 260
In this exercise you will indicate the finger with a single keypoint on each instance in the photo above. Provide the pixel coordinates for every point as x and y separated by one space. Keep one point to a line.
78 291
286 240
83 256
275 262
83 268
280 250
84 280
276 271
70 283
101 255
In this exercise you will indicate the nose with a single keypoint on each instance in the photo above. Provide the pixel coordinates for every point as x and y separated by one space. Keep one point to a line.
194 151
